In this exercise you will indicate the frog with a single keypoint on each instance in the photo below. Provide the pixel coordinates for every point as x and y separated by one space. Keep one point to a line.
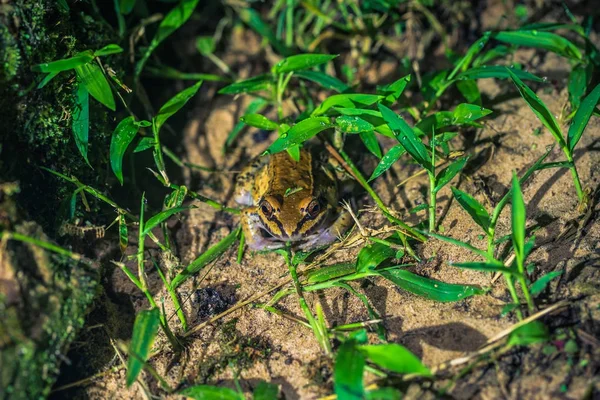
284 200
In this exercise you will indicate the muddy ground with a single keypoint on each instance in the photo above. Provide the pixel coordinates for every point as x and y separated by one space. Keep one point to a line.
261 345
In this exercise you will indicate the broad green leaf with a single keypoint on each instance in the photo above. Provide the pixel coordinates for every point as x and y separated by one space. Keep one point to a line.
175 104
260 122
161 217
448 173
122 136
125 6
406 136
65 64
172 21
266 391
108 49
326 81
301 61
372 255
208 256
371 116
351 100
394 90
578 80
205 45
144 144
538 286
396 358
254 84
96 84
540 110
430 288
582 117
348 372
370 141
388 160
540 40
207 392
472 206
144 332
497 71
468 88
351 124
299 133
533 332
330 272
518 221
484 266
255 106
464 113
252 18
81 120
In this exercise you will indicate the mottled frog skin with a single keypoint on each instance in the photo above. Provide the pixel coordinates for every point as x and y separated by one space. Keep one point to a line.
285 200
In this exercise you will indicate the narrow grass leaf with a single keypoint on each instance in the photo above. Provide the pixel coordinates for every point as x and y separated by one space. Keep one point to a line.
254 84
533 332
171 73
448 173
552 26
372 255
465 61
65 64
386 393
474 208
208 256
175 104
484 266
49 76
207 392
465 112
161 217
96 84
144 333
460 244
172 21
255 106
353 124
329 272
123 234
492 54
301 61
260 122
351 100
582 117
538 286
518 220
388 160
371 116
406 136
468 88
324 80
396 358
81 121
348 372
430 288
108 49
145 143
122 137
539 109
252 18
266 391
299 133
394 90
497 71
126 6
578 80
370 141
540 40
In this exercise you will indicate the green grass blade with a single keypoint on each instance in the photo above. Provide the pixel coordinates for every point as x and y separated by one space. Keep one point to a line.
171 73
254 84
394 90
388 160
497 71
484 267
582 117
301 61
123 234
96 84
208 256
448 173
370 141
351 100
430 288
539 109
348 372
353 124
372 255
122 137
255 106
108 49
371 116
578 81
207 392
406 136
259 121
175 104
324 80
396 358
49 76
252 18
81 121
460 244
299 133
533 332
465 61
469 89
538 286
329 272
474 208
145 143
144 333
172 21
540 40
518 221
65 64
161 217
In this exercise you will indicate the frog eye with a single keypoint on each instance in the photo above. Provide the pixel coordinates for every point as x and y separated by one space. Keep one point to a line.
266 208
313 209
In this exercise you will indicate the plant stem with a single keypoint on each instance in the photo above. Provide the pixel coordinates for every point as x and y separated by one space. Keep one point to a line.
432 202
580 193
513 294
